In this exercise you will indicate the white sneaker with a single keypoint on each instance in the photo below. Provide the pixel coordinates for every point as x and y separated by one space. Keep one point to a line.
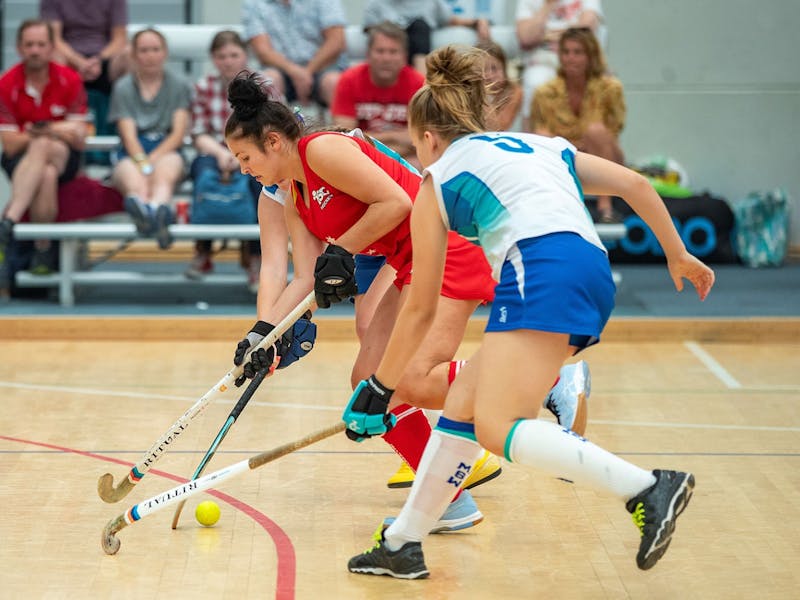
568 398
460 514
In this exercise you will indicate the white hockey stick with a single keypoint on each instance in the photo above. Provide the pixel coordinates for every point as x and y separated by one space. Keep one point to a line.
105 485
180 493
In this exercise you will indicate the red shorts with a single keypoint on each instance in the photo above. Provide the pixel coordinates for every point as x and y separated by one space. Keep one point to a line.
467 275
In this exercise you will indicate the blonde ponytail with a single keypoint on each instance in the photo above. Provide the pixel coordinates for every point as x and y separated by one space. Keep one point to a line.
453 100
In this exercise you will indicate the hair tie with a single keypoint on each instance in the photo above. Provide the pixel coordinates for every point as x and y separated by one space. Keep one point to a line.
298 115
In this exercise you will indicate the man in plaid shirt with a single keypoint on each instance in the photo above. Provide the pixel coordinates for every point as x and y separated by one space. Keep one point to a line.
302 42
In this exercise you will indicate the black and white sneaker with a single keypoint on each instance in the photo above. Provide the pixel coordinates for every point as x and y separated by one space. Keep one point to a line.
405 563
655 510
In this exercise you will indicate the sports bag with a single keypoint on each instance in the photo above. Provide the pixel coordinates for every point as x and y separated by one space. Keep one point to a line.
216 202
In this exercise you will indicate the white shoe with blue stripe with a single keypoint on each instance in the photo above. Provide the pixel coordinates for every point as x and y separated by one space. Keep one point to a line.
568 398
462 513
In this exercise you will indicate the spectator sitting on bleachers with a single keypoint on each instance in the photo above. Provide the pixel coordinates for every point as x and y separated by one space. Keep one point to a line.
42 130
210 111
91 38
374 95
419 18
150 106
583 104
301 42
539 26
504 96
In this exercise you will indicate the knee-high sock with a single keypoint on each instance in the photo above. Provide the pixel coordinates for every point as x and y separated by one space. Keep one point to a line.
445 464
410 434
565 454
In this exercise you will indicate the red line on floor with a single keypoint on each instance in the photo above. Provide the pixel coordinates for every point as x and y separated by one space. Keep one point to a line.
285 579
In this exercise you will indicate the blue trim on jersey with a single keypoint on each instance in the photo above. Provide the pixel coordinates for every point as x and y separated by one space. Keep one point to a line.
135 513
470 204
569 158
457 428
384 149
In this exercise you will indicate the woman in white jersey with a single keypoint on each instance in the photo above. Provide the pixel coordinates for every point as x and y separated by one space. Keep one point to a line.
520 197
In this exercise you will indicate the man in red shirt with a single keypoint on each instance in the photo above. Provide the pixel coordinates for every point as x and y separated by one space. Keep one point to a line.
42 131
374 95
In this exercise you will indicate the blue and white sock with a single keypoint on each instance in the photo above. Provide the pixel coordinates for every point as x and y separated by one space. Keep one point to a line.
447 461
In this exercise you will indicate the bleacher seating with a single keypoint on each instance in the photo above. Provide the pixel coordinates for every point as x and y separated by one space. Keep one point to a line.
189 43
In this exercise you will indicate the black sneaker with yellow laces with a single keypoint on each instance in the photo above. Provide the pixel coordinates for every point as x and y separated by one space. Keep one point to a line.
405 563
655 510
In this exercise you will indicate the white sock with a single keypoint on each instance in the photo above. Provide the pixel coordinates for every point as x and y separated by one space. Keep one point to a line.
565 454
445 464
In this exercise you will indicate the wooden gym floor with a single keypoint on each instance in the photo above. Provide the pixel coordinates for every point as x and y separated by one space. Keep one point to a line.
83 397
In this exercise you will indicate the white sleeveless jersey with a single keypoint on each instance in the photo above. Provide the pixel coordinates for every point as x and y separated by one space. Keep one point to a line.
501 187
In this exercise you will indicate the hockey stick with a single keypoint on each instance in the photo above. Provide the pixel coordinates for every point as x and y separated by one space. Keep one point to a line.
105 485
179 493
234 414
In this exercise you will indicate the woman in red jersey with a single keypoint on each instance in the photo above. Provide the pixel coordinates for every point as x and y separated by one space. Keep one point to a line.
344 192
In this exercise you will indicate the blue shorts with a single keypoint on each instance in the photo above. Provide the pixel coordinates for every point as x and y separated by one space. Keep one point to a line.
367 268
149 142
557 282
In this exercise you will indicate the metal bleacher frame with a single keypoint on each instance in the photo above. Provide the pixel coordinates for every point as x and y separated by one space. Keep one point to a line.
189 43
73 235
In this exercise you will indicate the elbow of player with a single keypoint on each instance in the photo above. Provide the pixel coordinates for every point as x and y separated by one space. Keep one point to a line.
634 185
400 209
640 183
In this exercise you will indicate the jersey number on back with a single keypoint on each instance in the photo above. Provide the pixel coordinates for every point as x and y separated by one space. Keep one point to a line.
507 143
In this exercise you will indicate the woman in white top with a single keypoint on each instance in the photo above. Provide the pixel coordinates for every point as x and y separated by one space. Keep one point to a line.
520 196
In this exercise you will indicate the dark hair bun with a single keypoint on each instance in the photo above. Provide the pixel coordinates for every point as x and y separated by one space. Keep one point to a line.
247 95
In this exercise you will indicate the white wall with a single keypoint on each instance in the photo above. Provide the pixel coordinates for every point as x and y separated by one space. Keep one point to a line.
714 84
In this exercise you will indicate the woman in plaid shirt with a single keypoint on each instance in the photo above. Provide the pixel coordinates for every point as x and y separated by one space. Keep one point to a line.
210 111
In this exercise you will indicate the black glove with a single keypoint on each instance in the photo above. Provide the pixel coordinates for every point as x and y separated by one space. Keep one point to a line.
334 276
258 359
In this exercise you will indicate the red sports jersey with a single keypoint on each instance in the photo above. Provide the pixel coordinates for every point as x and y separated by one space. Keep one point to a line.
63 97
331 212
375 108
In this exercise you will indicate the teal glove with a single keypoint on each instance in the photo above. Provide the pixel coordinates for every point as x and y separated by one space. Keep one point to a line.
365 415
